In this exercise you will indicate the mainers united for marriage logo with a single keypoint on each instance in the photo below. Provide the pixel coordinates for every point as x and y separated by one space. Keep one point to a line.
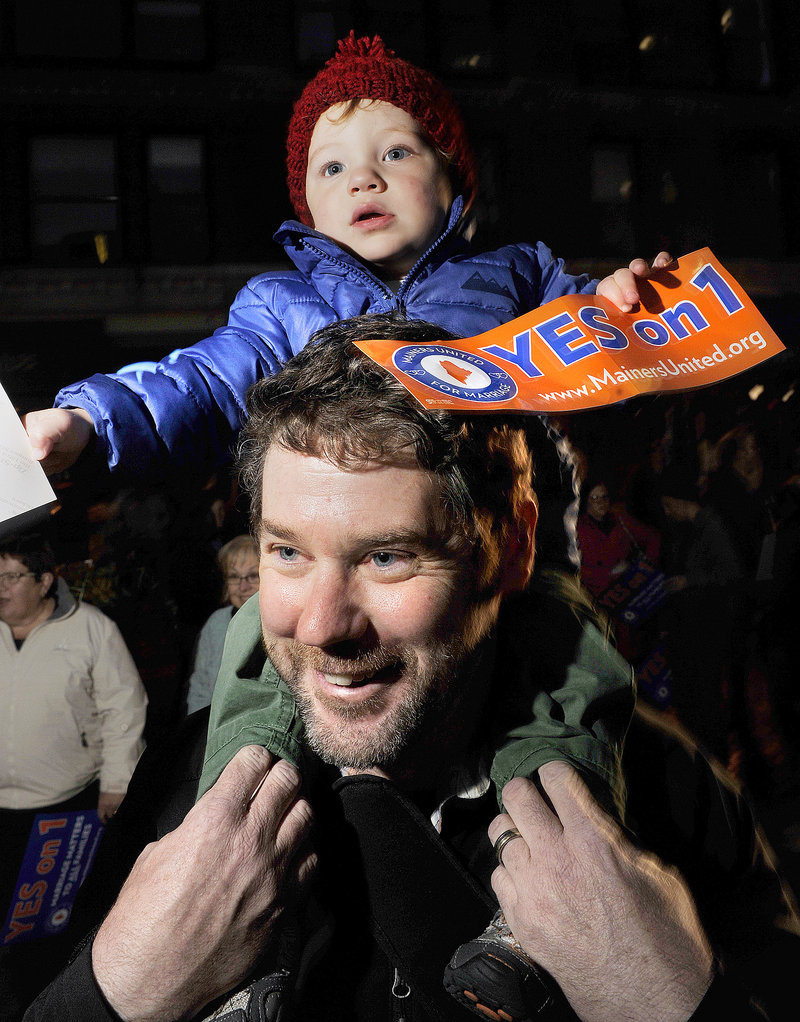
452 371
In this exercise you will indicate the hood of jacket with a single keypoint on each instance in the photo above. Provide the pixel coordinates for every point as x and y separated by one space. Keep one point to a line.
66 603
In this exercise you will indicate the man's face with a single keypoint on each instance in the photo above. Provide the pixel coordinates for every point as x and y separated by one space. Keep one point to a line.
367 602
375 186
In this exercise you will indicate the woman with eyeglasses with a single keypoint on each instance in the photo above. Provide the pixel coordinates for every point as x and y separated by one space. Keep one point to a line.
610 538
238 562
73 702
71 725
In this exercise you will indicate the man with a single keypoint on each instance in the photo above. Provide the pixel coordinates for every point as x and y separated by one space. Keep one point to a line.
384 563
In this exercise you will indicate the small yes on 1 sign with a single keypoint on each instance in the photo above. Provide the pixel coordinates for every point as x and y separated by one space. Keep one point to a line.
59 855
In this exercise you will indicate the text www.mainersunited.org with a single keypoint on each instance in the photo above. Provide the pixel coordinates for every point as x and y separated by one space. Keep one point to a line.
665 367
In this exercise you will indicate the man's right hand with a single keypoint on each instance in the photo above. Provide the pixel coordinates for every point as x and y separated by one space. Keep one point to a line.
200 904
58 436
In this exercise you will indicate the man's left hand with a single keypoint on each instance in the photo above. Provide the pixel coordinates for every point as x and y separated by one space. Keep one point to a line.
615 927
622 286
108 803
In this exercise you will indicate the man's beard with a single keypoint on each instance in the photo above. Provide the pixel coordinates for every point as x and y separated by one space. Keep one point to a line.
349 736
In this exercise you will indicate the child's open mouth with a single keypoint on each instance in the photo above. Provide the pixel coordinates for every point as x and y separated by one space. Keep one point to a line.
368 216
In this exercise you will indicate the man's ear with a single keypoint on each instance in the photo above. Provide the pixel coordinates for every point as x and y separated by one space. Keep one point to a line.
521 548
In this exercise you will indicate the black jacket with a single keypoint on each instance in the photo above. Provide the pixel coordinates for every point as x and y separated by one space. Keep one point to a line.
679 806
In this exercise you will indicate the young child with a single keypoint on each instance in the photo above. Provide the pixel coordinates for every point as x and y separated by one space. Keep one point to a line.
382 177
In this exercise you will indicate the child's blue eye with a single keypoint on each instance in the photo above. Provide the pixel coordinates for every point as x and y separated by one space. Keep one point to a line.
397 153
332 169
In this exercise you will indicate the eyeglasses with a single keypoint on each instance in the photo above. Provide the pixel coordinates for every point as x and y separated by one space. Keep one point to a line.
10 578
233 579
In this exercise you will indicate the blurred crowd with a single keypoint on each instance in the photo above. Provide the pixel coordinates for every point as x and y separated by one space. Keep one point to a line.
702 512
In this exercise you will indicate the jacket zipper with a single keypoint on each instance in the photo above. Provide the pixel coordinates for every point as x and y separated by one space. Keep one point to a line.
408 280
349 267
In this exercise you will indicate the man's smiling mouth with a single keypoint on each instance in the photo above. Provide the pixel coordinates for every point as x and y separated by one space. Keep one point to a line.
357 678
345 680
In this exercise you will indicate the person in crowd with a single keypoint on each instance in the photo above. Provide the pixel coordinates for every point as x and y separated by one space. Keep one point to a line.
72 721
392 541
739 492
611 540
238 563
704 586
778 626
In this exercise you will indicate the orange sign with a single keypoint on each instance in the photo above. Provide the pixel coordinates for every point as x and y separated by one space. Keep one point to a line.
694 326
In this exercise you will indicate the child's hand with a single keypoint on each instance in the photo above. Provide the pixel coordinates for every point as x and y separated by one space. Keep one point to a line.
58 436
621 287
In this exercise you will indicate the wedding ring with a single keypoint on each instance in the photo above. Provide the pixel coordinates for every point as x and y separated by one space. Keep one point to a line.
502 841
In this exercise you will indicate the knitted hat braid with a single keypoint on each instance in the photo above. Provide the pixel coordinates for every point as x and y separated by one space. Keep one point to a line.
367 69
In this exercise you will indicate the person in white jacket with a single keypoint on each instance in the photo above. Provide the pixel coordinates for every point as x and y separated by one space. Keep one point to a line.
71 724
73 702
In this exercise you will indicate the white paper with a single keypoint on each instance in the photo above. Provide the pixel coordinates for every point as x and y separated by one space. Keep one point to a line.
24 489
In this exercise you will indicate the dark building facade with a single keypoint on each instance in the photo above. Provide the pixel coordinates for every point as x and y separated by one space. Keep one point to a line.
141 150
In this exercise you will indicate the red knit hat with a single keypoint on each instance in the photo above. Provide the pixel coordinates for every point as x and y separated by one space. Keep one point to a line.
366 69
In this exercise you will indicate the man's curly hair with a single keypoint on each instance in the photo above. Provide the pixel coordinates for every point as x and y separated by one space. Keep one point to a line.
332 401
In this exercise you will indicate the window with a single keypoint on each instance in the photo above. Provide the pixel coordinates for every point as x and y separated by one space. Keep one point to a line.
319 24
468 39
674 190
315 36
612 197
74 205
746 44
752 187
169 30
178 211
403 28
53 28
612 179
677 44
602 53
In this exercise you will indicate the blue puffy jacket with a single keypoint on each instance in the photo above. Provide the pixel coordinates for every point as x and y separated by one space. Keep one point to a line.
180 415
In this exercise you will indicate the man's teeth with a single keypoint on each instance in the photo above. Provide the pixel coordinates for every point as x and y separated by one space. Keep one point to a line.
345 680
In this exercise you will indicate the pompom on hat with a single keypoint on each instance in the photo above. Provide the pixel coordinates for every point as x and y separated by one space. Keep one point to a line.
367 69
